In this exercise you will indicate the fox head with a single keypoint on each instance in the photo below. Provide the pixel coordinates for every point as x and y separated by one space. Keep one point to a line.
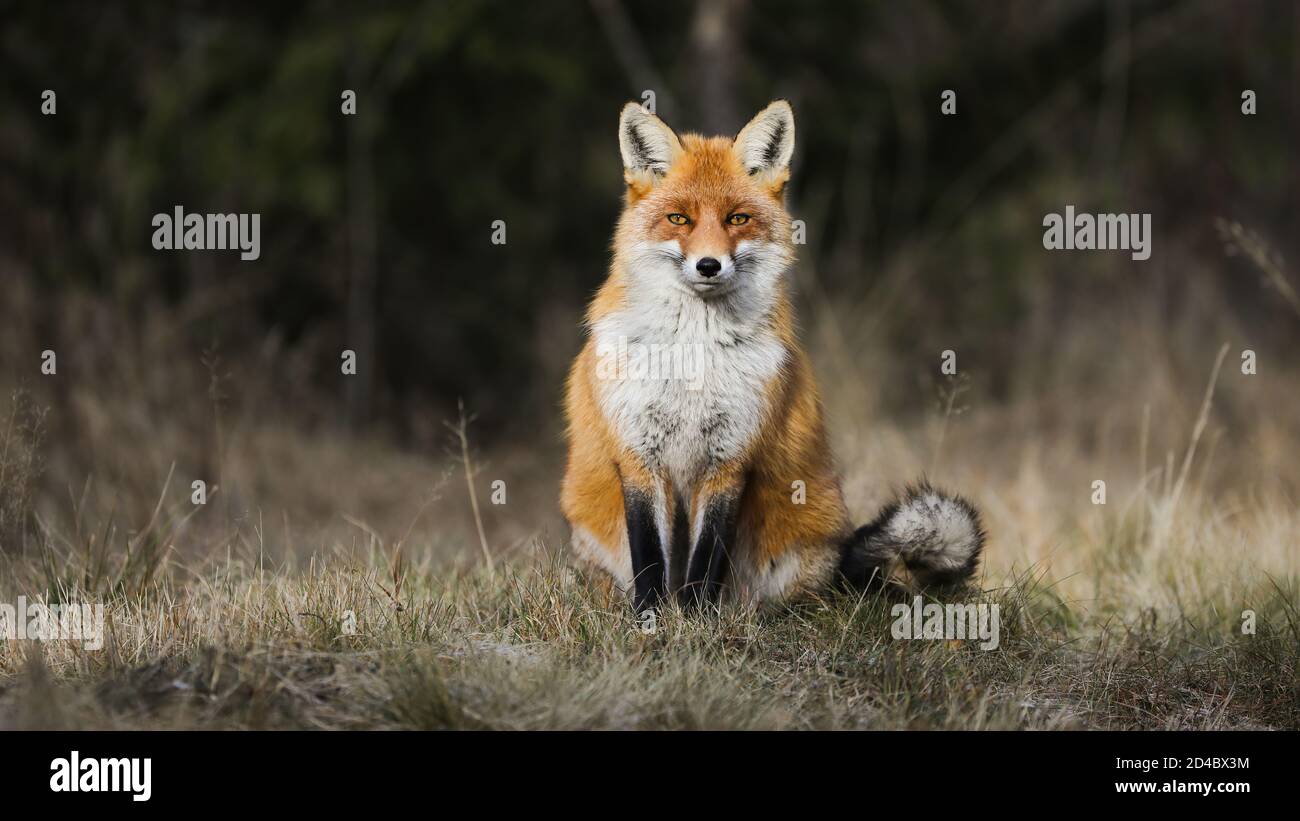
705 216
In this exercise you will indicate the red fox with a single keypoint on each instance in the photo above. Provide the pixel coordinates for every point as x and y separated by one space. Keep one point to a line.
720 481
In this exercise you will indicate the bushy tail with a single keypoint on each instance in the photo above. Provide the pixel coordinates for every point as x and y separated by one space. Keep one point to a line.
936 536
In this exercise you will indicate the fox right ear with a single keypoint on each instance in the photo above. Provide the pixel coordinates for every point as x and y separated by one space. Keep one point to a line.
648 146
766 144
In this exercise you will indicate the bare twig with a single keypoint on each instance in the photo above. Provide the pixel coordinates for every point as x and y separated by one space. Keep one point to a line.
1201 420
630 51
1238 239
948 396
461 430
1144 443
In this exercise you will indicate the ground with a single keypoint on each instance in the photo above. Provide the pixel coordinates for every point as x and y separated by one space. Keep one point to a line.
533 644
336 580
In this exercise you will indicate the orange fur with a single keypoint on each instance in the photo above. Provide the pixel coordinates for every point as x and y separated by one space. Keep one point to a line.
709 182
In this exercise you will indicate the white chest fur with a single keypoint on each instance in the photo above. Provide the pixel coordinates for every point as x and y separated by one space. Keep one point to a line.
684 384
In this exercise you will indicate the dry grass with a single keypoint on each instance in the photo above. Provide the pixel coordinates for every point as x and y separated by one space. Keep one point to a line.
337 582
230 644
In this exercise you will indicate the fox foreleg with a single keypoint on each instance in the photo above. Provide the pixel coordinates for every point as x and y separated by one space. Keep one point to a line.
716 514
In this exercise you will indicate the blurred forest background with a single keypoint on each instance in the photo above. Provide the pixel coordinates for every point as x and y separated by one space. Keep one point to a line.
924 233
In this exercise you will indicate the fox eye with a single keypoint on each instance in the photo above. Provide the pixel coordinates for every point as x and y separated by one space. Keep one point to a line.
738 219
678 219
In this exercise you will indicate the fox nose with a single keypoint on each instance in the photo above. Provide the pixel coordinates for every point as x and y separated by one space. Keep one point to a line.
708 267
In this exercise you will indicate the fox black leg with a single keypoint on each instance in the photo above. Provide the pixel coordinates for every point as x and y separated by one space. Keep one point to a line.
709 558
648 565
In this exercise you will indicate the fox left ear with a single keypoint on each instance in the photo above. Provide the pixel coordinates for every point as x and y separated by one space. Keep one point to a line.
646 143
767 143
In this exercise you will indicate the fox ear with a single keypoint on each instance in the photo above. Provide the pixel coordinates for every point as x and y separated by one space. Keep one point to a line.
767 143
646 143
